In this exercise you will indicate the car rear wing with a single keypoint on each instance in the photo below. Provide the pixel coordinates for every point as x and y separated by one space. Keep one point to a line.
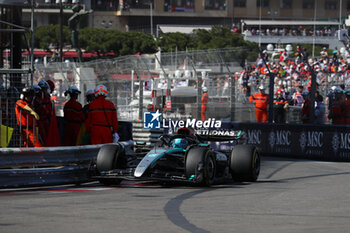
219 135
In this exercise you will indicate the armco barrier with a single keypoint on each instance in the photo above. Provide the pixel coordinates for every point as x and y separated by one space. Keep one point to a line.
45 166
21 167
149 136
319 142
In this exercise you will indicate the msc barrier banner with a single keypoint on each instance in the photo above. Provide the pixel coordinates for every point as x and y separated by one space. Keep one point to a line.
321 142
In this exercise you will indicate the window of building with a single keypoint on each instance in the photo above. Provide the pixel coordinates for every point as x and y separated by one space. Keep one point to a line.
215 5
179 5
138 4
308 4
331 4
286 4
264 3
100 5
240 3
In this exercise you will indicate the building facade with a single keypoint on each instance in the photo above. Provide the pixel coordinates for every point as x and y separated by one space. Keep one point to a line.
145 15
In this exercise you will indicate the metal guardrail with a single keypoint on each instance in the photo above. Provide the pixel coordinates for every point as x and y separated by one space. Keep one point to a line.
24 167
148 136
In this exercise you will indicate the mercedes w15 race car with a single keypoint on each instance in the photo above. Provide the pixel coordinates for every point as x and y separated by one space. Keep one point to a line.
179 158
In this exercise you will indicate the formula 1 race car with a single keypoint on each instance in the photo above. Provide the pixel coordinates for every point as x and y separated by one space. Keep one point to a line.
180 158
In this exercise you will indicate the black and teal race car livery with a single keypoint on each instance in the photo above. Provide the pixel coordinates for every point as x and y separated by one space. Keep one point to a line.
178 158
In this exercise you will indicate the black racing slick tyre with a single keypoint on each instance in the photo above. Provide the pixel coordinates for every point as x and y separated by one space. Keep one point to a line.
245 163
107 158
200 164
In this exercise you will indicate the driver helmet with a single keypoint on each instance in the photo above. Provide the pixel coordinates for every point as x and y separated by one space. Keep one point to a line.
185 131
180 143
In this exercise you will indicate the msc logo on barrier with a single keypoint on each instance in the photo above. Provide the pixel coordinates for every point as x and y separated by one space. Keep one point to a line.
311 142
253 137
341 141
279 138
151 120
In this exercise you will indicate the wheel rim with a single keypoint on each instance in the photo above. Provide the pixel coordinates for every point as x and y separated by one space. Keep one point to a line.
256 163
210 168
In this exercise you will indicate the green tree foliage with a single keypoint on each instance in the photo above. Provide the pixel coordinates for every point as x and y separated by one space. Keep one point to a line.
216 38
49 35
174 40
126 43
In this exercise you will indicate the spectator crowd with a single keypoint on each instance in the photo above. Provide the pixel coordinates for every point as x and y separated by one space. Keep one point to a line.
290 31
292 78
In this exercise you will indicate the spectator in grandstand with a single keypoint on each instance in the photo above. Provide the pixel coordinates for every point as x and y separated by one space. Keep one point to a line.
246 83
226 87
306 107
102 121
73 116
261 102
330 99
298 55
280 104
298 97
335 113
324 53
265 55
346 111
204 103
320 109
27 118
342 87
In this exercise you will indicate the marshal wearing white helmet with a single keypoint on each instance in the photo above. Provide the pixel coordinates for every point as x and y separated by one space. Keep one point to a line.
102 122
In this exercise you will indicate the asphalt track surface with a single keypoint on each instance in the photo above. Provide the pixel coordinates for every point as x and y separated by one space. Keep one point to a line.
290 196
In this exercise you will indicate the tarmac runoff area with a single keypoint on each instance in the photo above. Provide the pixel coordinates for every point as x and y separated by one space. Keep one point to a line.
290 196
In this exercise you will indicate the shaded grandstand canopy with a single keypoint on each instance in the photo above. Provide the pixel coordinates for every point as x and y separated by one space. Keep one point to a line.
14 2
287 22
182 28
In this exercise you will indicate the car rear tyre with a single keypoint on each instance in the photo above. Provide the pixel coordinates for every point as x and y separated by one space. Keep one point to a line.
200 161
107 159
245 163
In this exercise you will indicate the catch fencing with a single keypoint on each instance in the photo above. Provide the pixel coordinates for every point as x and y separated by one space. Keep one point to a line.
167 82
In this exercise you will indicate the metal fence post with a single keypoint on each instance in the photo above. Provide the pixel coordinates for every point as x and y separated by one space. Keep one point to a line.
233 90
140 99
